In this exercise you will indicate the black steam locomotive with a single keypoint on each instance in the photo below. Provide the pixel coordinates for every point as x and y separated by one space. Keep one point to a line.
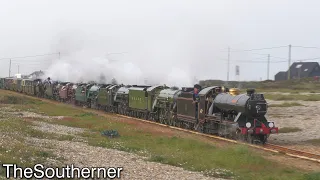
246 114
226 113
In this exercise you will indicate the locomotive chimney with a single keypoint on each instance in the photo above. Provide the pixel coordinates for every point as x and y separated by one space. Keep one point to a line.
250 91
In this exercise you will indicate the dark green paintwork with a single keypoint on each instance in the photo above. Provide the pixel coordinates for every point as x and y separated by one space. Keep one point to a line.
82 92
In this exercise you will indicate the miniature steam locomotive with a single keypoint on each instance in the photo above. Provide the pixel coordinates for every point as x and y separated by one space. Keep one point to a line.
216 110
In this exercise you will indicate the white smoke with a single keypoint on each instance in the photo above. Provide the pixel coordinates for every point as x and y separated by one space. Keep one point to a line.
82 62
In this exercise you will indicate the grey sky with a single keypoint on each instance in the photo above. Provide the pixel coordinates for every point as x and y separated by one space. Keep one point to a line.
180 38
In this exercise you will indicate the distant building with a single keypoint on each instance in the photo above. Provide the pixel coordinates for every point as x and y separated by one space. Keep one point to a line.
299 70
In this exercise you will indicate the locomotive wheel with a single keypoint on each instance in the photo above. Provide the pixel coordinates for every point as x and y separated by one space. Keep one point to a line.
239 136
162 116
263 139
250 139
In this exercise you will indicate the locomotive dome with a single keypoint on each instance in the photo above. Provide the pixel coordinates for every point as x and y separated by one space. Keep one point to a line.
234 91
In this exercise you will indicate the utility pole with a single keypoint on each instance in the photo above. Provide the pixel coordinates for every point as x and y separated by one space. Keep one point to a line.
289 62
268 66
18 69
228 64
10 68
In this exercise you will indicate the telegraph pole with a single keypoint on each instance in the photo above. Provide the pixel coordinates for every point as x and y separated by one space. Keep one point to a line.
10 68
289 62
228 64
18 69
268 66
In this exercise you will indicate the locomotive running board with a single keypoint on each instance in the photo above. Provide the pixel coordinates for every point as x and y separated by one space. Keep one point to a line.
237 117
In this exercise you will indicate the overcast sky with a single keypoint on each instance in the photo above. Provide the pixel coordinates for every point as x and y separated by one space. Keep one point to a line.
164 41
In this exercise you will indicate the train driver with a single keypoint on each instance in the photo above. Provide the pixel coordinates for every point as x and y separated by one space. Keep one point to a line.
196 100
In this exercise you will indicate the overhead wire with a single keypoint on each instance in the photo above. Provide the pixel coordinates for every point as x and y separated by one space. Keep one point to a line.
258 49
306 47
28 56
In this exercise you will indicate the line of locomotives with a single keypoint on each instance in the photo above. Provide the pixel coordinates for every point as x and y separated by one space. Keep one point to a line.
216 110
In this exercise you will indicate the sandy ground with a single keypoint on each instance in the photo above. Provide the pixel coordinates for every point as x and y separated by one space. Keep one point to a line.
306 117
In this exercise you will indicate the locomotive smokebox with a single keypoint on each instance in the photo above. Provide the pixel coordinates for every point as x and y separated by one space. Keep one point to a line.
250 91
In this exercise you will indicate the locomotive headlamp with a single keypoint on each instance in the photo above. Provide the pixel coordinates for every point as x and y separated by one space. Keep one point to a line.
248 125
271 125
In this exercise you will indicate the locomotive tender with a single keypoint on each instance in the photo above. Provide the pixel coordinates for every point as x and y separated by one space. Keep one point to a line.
216 110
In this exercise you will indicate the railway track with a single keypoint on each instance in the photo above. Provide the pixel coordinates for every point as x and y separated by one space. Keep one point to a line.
267 147
294 152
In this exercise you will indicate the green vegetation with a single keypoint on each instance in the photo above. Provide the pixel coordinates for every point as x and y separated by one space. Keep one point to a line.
286 104
10 99
314 141
16 150
312 176
305 85
296 97
186 151
289 129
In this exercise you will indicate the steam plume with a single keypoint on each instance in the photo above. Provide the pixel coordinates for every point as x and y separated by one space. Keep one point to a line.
83 60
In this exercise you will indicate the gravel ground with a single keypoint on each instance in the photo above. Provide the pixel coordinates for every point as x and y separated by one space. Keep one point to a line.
58 129
135 167
304 117
80 154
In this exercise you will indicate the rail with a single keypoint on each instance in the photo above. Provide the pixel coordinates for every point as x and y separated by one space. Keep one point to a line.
294 152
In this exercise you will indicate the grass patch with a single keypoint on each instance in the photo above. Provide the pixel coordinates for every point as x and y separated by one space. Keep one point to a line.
314 141
175 149
286 104
296 97
10 99
289 129
312 176
16 150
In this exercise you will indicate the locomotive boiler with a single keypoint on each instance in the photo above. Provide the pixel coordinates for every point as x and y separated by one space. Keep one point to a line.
250 104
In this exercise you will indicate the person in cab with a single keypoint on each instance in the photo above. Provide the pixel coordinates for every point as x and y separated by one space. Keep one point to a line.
196 99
